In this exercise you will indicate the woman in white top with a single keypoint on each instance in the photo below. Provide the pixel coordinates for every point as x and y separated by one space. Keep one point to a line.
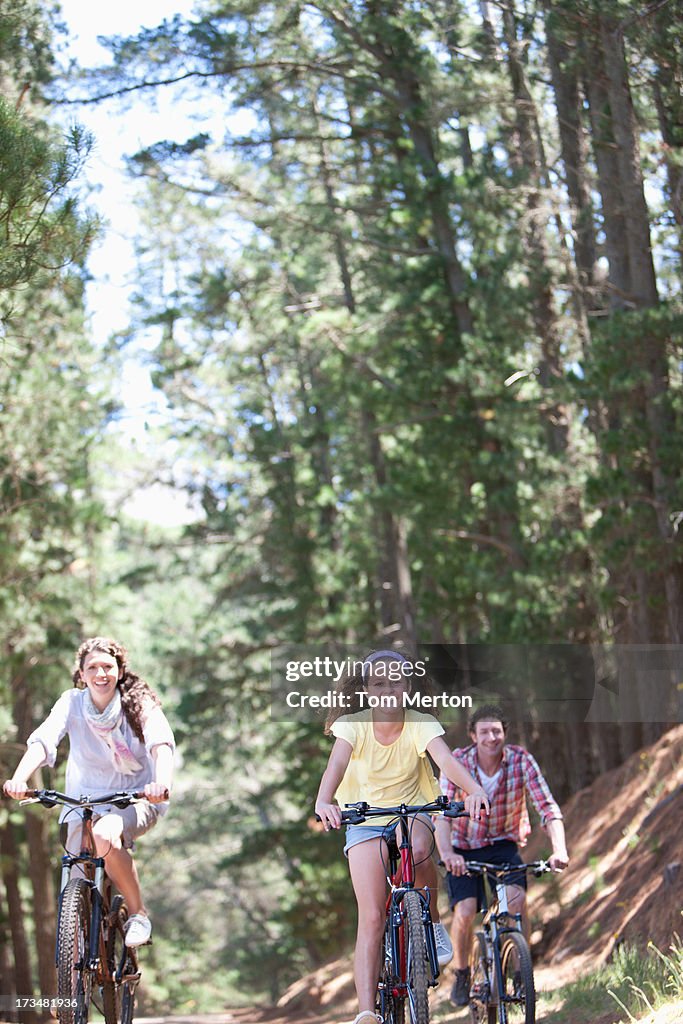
119 739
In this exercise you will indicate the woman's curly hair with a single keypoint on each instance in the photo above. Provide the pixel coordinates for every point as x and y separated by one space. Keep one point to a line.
136 694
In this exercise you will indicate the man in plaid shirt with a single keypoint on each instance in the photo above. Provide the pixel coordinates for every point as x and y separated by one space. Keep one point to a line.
507 773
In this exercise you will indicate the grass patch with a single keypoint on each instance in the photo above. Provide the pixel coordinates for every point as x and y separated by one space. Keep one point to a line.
629 987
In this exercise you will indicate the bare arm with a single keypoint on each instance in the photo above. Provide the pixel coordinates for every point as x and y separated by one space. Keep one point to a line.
555 830
337 764
34 758
453 862
159 790
453 770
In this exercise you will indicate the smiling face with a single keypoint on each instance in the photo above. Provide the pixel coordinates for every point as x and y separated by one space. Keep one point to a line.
386 681
100 673
489 737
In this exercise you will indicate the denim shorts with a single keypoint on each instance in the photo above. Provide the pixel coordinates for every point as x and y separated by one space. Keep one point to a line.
362 833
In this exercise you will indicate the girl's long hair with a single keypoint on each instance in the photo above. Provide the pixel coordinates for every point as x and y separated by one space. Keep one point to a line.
349 688
136 693
352 685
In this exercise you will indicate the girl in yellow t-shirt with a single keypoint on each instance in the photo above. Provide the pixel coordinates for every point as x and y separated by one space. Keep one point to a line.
379 755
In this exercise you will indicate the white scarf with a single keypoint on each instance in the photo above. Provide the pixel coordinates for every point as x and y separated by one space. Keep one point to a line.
107 726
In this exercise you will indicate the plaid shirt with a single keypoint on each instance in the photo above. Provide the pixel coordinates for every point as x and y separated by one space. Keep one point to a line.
509 817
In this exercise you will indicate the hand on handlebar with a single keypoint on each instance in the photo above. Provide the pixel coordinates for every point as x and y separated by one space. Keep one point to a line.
559 861
475 803
329 814
156 792
17 789
454 863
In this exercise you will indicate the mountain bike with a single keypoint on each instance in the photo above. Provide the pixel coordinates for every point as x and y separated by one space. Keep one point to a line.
409 966
93 962
501 972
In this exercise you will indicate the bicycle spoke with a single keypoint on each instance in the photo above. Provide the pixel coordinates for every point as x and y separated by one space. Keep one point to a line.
480 983
417 963
74 981
518 980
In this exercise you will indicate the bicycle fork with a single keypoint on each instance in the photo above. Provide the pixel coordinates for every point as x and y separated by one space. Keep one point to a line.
398 936
96 887
434 969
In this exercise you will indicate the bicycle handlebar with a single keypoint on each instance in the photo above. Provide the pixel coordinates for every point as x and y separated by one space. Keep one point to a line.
360 811
52 797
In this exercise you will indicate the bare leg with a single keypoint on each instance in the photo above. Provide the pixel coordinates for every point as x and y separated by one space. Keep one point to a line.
461 931
370 887
422 839
118 862
517 905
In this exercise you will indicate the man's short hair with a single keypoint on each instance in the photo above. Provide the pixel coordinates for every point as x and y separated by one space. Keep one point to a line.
487 713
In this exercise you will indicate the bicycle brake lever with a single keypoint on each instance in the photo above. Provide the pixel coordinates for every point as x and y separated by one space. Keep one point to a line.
44 800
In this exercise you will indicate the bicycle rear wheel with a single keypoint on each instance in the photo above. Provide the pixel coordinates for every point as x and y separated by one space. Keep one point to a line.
480 983
121 976
74 981
518 996
417 961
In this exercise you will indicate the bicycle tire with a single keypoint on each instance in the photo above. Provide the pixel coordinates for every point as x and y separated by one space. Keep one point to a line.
118 998
519 996
74 982
481 1011
417 961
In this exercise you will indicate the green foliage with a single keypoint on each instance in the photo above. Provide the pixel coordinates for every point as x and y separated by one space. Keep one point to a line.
391 396
41 224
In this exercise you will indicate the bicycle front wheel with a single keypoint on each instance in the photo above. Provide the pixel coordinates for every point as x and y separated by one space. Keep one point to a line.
481 1012
74 980
518 995
118 990
417 961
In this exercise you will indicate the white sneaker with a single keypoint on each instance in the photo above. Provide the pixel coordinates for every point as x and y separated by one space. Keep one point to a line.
138 930
444 947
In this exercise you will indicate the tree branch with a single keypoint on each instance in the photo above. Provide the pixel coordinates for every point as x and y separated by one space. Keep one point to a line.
513 554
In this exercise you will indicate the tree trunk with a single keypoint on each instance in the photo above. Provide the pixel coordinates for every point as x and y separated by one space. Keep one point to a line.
607 165
10 876
394 581
44 907
8 983
642 273
568 102
530 160
669 105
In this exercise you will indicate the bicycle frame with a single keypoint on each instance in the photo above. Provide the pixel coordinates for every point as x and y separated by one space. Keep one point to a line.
401 879
102 963
495 907
490 966
401 910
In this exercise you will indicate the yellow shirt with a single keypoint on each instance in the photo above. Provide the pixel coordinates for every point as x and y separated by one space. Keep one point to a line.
386 776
